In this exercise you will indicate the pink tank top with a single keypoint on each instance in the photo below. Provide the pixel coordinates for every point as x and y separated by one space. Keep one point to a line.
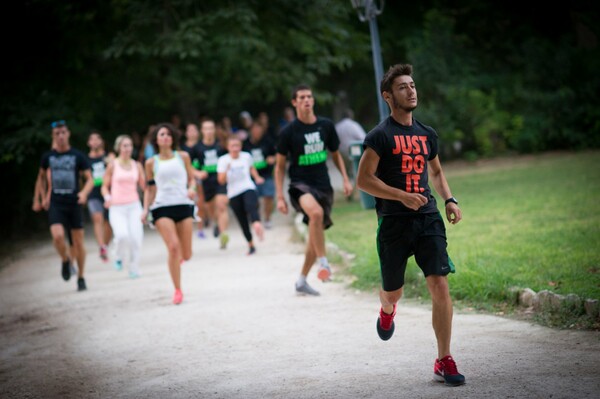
124 183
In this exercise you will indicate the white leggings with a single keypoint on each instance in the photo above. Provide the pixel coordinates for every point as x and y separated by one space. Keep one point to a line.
128 232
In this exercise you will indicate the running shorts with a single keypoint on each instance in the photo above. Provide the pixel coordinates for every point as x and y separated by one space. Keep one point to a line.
267 189
212 188
67 215
96 205
176 213
323 197
400 237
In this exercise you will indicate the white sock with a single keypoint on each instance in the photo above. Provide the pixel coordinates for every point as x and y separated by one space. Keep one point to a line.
301 280
323 261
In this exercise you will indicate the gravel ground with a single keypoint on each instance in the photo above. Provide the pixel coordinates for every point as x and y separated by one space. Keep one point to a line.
241 332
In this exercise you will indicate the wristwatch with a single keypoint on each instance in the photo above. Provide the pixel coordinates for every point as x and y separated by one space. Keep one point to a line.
451 199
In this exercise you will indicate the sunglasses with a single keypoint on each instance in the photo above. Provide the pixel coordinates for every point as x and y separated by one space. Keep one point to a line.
58 124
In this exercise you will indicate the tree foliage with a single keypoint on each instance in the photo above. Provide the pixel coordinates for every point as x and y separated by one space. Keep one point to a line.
216 55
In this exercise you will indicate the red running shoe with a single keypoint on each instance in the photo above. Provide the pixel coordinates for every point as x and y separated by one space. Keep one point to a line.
385 324
445 371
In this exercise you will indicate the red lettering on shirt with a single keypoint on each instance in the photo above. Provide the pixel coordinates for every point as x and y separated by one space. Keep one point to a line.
413 164
410 145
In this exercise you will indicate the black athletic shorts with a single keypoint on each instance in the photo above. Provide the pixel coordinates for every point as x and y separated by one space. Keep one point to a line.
175 212
67 215
323 196
400 237
212 188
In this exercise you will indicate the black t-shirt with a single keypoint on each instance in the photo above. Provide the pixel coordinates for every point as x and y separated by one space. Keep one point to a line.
403 154
65 168
306 147
207 156
98 166
193 155
260 151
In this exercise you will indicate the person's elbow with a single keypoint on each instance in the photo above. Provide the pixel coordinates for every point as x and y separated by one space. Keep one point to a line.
361 180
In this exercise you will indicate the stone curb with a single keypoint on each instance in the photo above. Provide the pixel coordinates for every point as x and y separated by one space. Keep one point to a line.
548 301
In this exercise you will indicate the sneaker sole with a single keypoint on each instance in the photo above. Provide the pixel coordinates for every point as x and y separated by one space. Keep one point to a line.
324 275
301 293
441 379
385 334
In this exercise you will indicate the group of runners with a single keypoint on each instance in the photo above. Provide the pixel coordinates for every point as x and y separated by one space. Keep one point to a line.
400 157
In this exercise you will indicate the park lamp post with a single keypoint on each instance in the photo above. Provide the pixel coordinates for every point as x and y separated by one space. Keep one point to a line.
368 11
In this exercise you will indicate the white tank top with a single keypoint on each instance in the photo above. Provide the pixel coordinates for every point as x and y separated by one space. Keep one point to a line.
171 182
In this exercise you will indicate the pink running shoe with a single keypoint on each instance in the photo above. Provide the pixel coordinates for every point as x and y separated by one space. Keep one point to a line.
324 273
178 297
104 253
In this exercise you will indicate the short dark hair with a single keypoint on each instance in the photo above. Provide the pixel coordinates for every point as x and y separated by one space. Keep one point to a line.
392 74
173 131
299 87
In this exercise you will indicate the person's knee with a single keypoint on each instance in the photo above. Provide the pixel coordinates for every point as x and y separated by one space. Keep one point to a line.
58 236
78 245
173 249
315 215
438 288
391 297
57 230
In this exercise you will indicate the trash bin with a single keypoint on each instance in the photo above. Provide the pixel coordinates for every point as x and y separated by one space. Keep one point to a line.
356 150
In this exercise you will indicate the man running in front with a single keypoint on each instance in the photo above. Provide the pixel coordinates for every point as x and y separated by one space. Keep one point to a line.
400 155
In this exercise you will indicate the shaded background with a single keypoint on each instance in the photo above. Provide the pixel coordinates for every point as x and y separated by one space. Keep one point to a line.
492 78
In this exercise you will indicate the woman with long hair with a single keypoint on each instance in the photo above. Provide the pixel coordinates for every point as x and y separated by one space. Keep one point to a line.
169 197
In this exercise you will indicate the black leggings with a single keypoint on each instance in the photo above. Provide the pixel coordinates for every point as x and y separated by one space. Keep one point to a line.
245 206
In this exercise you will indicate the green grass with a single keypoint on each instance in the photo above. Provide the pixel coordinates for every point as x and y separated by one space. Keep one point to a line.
527 222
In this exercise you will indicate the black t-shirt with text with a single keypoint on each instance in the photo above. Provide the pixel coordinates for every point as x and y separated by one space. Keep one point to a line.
305 146
403 154
98 166
65 168
260 151
207 156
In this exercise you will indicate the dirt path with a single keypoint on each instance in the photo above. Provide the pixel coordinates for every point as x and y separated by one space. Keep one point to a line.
243 333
